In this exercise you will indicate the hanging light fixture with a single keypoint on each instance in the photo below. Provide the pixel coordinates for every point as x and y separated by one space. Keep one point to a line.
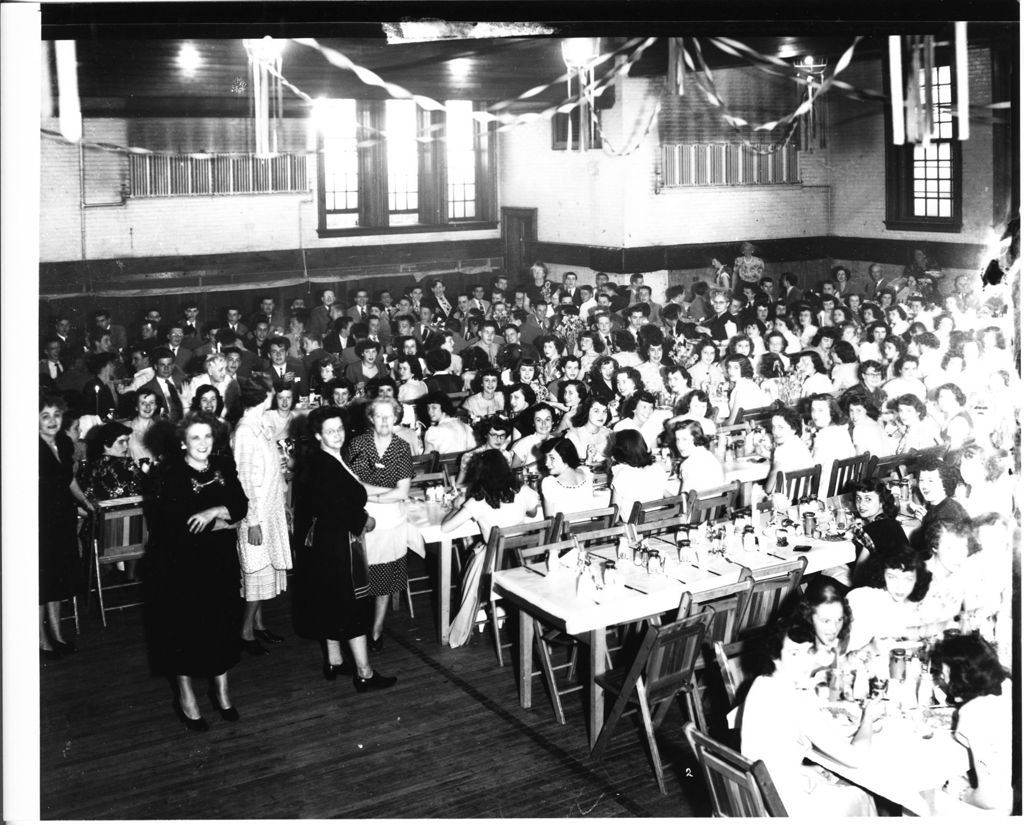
811 73
579 55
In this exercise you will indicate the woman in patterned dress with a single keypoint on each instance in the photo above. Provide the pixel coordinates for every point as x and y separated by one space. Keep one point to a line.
383 463
264 550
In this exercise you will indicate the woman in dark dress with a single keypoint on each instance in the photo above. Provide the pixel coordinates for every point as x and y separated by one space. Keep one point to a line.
192 549
331 573
58 520
878 533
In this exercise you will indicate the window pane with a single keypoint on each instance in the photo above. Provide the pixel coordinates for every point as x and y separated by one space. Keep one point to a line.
336 120
461 132
403 178
945 209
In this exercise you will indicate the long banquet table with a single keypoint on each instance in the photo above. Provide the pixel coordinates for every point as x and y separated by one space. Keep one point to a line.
552 598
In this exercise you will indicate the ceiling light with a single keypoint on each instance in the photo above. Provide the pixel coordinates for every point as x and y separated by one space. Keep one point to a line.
460 67
580 52
189 59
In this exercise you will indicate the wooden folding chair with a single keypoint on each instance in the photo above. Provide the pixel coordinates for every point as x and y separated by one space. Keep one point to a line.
772 587
801 483
738 664
120 534
890 466
545 637
663 527
756 416
657 509
585 521
714 504
602 537
450 463
662 669
845 472
424 463
500 543
738 786
420 483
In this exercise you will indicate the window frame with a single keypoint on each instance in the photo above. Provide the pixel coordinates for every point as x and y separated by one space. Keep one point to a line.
899 172
374 217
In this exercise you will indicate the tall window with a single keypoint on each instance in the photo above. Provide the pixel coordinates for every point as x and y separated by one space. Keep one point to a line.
461 157
923 180
341 162
403 178
391 166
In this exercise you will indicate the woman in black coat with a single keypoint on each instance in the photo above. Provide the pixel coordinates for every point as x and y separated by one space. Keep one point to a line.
331 575
196 579
59 573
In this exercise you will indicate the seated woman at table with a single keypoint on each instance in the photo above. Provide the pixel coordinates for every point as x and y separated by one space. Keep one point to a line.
635 475
867 435
781 721
485 400
568 487
700 469
946 545
789 452
936 483
696 406
601 377
811 371
493 433
639 413
876 533
955 425
590 433
888 605
824 606
677 384
914 430
844 363
571 394
744 394
519 401
367 367
109 471
832 441
968 671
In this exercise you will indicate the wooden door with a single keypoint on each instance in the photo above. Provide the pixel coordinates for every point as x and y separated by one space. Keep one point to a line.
518 234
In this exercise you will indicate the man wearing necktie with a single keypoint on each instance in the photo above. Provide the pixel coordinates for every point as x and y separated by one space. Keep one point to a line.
361 311
50 368
165 386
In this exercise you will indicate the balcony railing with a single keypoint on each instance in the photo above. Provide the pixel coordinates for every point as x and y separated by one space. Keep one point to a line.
163 176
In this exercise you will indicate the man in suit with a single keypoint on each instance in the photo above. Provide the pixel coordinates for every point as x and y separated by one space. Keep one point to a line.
438 301
477 299
654 310
360 309
267 312
233 318
791 293
72 342
167 389
337 338
190 324
312 346
236 366
876 282
284 369
570 289
50 367
176 343
722 324
320 316
513 338
258 338
118 337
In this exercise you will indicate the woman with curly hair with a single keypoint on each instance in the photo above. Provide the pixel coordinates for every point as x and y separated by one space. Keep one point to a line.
887 606
824 607
493 498
602 378
967 669
634 474
519 401
571 394
590 346
485 400
696 406
877 531
110 472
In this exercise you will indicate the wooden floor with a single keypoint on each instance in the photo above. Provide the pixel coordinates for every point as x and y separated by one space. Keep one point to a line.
450 740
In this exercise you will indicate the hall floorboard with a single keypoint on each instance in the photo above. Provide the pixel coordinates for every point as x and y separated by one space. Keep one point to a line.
450 740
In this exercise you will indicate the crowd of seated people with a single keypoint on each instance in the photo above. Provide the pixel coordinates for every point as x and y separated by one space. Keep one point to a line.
567 379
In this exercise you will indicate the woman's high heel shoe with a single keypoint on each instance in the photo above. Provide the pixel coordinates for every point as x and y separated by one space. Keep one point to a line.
375 682
199 725
227 714
331 671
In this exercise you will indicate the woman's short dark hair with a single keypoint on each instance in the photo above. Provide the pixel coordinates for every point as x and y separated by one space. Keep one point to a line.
565 359
771 364
821 591
317 417
96 361
816 362
197 397
835 413
524 362
104 436
489 478
746 368
629 447
364 345
683 407
600 361
929 536
372 388
898 310
565 448
527 392
541 340
832 333
791 417
192 418
860 398
1000 337
847 315
909 400
633 374
583 412
974 667
630 404
52 399
958 393
478 380
900 558
581 389
697 434
595 339
844 352
439 398
414 365
793 627
251 392
871 363
876 325
683 371
438 360
889 507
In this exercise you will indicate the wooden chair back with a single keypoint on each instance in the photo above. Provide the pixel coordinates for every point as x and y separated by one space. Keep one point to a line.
738 786
506 539
756 416
658 508
738 665
771 589
120 530
530 555
729 602
845 472
423 480
450 462
585 521
604 537
673 652
662 527
883 467
801 483
712 505
425 463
